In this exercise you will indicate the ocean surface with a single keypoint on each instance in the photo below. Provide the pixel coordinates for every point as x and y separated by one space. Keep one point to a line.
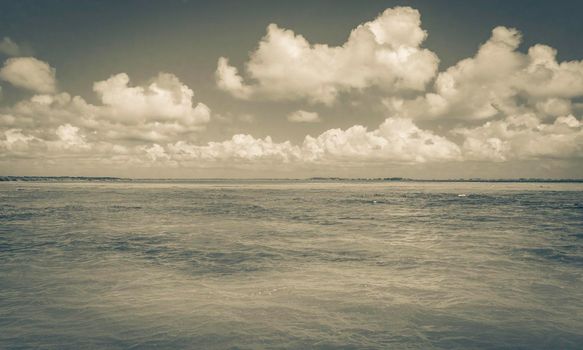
291 265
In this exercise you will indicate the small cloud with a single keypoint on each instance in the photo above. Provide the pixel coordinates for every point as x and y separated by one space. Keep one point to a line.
70 137
304 117
29 73
9 47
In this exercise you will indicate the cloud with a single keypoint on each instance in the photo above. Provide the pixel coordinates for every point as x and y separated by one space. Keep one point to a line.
41 113
240 148
60 146
383 53
164 99
302 116
29 73
396 140
498 81
159 111
500 105
154 152
70 137
523 136
15 141
9 47
228 79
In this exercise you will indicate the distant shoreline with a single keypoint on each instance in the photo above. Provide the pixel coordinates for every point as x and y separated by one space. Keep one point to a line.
312 179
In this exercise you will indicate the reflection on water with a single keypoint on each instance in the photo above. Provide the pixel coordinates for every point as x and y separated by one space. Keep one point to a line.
280 265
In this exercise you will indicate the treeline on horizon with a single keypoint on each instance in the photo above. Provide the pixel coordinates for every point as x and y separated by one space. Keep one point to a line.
62 178
315 179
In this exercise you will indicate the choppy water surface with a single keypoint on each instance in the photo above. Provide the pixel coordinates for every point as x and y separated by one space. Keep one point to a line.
291 265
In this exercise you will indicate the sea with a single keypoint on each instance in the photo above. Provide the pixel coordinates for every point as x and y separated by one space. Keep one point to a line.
278 264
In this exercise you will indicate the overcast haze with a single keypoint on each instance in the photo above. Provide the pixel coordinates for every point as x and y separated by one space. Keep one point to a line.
422 89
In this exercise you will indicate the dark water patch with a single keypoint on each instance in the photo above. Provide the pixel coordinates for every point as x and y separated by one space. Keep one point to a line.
8 216
364 201
570 255
125 207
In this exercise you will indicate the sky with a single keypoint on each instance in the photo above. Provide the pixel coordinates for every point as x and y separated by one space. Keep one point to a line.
239 89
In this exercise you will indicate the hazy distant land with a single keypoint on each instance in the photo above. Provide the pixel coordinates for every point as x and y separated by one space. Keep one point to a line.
312 179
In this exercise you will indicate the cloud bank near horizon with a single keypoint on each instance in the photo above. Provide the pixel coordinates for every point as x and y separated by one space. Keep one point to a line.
499 105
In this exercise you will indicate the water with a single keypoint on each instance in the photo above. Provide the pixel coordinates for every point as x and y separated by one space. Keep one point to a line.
291 265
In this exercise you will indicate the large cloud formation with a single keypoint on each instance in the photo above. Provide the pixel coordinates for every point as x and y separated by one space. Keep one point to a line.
383 53
499 81
500 105
60 126
159 111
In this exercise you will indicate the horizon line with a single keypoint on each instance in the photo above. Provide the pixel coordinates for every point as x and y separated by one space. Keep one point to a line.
16 178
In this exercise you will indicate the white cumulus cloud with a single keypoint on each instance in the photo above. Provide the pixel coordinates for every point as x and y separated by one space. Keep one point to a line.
161 110
164 99
29 73
396 140
15 140
70 137
228 79
498 81
523 136
383 53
